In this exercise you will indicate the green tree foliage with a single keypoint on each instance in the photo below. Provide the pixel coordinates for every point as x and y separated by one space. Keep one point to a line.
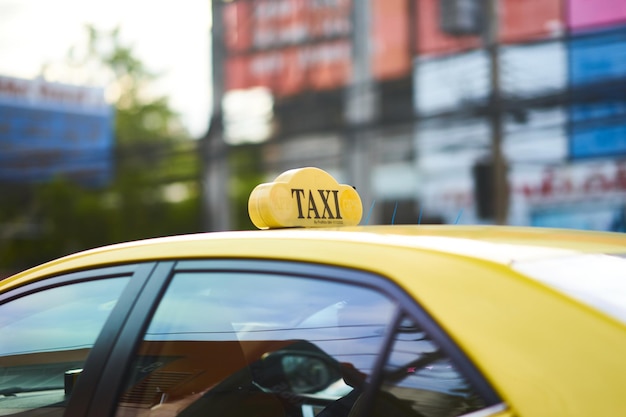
155 189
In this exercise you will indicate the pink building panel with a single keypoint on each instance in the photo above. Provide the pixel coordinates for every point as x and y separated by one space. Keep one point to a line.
595 13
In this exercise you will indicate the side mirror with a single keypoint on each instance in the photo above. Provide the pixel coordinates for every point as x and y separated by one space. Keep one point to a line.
299 372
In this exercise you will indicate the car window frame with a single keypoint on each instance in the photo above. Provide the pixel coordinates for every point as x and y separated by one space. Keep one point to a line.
137 273
105 399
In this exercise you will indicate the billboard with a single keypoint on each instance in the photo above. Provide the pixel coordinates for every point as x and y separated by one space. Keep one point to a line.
520 21
585 14
450 83
454 82
288 46
597 115
292 46
533 69
289 71
51 129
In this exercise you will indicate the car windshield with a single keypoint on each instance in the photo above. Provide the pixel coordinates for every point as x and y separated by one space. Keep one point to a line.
598 280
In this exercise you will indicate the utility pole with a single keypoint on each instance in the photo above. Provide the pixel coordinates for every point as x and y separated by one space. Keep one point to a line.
499 179
215 169
361 100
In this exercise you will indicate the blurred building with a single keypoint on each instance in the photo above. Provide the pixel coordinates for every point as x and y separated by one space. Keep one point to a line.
397 98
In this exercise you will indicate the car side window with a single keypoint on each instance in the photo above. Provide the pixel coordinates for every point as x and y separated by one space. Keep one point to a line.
255 344
419 380
45 338
262 344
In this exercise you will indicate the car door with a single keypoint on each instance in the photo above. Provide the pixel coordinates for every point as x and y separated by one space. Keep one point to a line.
56 334
271 338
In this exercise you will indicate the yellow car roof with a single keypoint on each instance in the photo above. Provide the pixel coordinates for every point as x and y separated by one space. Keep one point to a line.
497 244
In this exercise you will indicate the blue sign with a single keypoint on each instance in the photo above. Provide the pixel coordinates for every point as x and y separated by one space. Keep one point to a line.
39 141
597 116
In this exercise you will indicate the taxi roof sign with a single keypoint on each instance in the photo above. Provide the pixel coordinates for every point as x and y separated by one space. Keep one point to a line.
304 197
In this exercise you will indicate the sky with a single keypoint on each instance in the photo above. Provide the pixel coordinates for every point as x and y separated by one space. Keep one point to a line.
171 38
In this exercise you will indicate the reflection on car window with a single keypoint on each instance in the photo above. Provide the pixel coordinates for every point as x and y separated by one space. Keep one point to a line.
45 335
231 344
420 381
240 344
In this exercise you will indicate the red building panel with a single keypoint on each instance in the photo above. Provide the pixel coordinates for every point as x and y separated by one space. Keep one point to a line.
430 39
527 20
520 21
288 46
237 18
391 49
290 71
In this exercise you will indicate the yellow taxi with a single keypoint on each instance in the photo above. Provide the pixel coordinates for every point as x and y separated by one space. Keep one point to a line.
315 315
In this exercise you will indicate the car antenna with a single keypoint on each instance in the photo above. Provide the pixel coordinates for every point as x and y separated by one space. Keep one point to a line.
459 216
367 219
419 219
